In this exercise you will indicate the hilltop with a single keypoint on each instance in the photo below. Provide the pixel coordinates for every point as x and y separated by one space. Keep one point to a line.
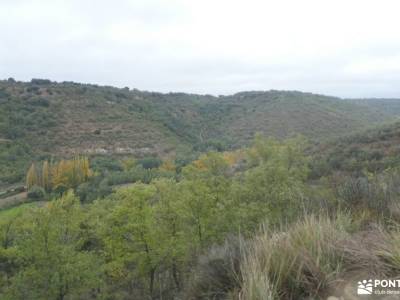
41 119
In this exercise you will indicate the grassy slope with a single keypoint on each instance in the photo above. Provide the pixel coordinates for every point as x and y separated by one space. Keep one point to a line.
41 119
373 150
12 213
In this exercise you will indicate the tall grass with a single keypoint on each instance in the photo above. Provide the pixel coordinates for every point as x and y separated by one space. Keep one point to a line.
318 257
302 261
313 258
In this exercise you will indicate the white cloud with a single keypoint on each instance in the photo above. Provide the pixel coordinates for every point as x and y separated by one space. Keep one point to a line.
366 65
344 48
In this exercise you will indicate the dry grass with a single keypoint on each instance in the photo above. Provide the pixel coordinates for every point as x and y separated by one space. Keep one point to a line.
317 257
302 261
314 258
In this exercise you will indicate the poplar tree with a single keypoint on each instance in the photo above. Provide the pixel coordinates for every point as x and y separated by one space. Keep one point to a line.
31 177
46 183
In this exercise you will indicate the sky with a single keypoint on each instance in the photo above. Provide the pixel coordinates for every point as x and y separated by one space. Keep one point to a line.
343 48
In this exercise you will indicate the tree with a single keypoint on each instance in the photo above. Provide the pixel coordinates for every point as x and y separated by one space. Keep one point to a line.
130 238
168 214
36 193
60 176
32 177
50 241
273 186
46 181
198 210
168 165
128 164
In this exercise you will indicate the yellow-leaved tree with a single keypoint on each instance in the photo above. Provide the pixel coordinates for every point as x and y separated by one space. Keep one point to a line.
59 176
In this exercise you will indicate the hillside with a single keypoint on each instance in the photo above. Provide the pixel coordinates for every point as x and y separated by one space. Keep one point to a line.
387 106
281 114
39 119
373 150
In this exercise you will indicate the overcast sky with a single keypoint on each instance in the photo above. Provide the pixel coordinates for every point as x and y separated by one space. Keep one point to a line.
346 48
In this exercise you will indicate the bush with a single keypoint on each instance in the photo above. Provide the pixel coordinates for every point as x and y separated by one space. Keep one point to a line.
60 189
40 81
150 162
36 193
84 191
39 101
216 273
375 193
105 163
97 187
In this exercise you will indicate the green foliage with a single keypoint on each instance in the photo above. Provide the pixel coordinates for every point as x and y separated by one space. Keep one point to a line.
373 151
130 238
48 246
36 193
105 164
274 186
141 232
143 237
43 118
14 160
149 162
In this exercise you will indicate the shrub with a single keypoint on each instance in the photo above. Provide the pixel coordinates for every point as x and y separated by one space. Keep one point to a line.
105 163
60 189
377 194
115 178
97 187
36 193
39 101
216 274
150 162
40 81
83 191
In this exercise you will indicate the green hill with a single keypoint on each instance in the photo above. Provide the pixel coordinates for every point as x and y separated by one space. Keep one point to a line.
39 119
388 106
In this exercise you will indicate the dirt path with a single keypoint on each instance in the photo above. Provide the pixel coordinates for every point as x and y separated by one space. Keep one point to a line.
13 200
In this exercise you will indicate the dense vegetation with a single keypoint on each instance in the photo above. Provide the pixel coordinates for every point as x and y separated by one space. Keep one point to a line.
189 233
43 119
372 151
143 238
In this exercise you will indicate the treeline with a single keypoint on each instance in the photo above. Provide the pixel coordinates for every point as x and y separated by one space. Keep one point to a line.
58 176
142 241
